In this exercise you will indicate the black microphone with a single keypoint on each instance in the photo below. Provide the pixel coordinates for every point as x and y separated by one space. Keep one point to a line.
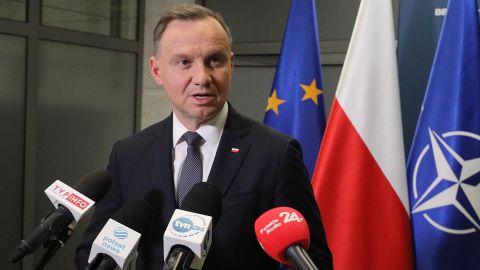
72 204
188 235
300 258
115 245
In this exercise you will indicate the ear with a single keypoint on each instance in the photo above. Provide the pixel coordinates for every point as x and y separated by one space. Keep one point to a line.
155 70
232 58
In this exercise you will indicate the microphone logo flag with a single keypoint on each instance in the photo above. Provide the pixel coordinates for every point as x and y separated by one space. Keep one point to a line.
76 203
453 184
191 230
117 241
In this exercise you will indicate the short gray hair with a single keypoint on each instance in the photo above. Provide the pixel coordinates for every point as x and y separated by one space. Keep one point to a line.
187 12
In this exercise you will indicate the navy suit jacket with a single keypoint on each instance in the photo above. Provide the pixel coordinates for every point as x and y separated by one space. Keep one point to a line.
266 172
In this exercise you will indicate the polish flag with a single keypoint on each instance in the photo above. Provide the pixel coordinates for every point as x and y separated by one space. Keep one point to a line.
360 179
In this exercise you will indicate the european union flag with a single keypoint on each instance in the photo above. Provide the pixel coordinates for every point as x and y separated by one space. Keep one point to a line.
444 163
295 105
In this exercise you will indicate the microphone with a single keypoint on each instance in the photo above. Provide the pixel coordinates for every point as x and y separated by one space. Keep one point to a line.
71 205
188 236
116 244
284 235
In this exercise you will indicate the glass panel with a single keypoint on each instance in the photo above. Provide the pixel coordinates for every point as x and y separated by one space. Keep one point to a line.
250 89
13 9
114 18
128 19
86 101
335 18
12 117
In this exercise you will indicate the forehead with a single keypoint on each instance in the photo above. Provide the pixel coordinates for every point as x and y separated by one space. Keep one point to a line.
181 33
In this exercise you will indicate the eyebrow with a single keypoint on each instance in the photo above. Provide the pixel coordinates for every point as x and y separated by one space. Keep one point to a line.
221 53
215 52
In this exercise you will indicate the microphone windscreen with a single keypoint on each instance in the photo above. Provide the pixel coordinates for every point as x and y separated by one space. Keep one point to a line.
135 214
279 228
94 185
204 198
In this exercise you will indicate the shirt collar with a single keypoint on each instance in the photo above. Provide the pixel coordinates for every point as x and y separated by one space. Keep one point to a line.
211 131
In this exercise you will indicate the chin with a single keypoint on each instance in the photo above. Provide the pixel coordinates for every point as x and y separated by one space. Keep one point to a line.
207 115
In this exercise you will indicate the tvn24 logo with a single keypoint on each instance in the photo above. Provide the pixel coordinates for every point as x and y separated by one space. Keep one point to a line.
186 226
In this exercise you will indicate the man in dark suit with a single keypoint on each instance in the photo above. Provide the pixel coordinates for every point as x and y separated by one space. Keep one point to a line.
254 167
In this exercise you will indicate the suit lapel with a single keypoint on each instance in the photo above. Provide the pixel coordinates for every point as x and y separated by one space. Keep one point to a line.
231 152
160 164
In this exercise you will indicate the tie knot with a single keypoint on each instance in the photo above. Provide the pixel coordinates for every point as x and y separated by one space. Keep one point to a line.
192 138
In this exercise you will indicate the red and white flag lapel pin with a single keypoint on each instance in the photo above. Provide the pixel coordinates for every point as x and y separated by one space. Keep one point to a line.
234 150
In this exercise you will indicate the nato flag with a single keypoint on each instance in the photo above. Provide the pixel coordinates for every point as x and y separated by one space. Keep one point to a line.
444 163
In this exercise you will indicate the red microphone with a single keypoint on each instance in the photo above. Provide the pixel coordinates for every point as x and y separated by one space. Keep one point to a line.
284 235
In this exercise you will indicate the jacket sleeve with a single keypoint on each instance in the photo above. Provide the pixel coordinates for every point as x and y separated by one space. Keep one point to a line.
293 189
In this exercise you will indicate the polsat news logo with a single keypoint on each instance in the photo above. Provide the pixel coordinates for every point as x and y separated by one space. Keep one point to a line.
70 196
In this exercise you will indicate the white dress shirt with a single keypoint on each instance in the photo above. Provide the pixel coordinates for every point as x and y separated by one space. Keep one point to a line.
211 133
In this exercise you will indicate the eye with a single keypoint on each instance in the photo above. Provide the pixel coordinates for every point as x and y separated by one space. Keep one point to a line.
183 63
214 61
217 60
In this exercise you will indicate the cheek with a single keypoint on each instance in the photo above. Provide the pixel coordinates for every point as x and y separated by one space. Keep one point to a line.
224 82
176 84
225 87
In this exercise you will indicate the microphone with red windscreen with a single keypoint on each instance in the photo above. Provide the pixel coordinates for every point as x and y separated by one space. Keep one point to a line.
284 235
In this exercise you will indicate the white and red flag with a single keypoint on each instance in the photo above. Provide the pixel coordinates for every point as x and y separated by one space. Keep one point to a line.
360 180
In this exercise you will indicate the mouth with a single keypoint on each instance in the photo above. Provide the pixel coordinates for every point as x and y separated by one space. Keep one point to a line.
202 96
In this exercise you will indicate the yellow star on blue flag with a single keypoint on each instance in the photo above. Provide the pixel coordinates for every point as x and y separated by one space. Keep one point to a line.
274 102
311 92
295 105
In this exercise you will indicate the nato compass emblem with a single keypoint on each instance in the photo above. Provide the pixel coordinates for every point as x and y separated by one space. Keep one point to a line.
446 183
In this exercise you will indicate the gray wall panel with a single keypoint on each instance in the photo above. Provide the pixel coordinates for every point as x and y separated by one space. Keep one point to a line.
12 119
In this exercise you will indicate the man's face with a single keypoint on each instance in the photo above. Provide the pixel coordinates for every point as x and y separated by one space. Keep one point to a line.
194 64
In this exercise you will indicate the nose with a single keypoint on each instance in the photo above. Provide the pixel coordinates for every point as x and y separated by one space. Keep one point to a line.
202 76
